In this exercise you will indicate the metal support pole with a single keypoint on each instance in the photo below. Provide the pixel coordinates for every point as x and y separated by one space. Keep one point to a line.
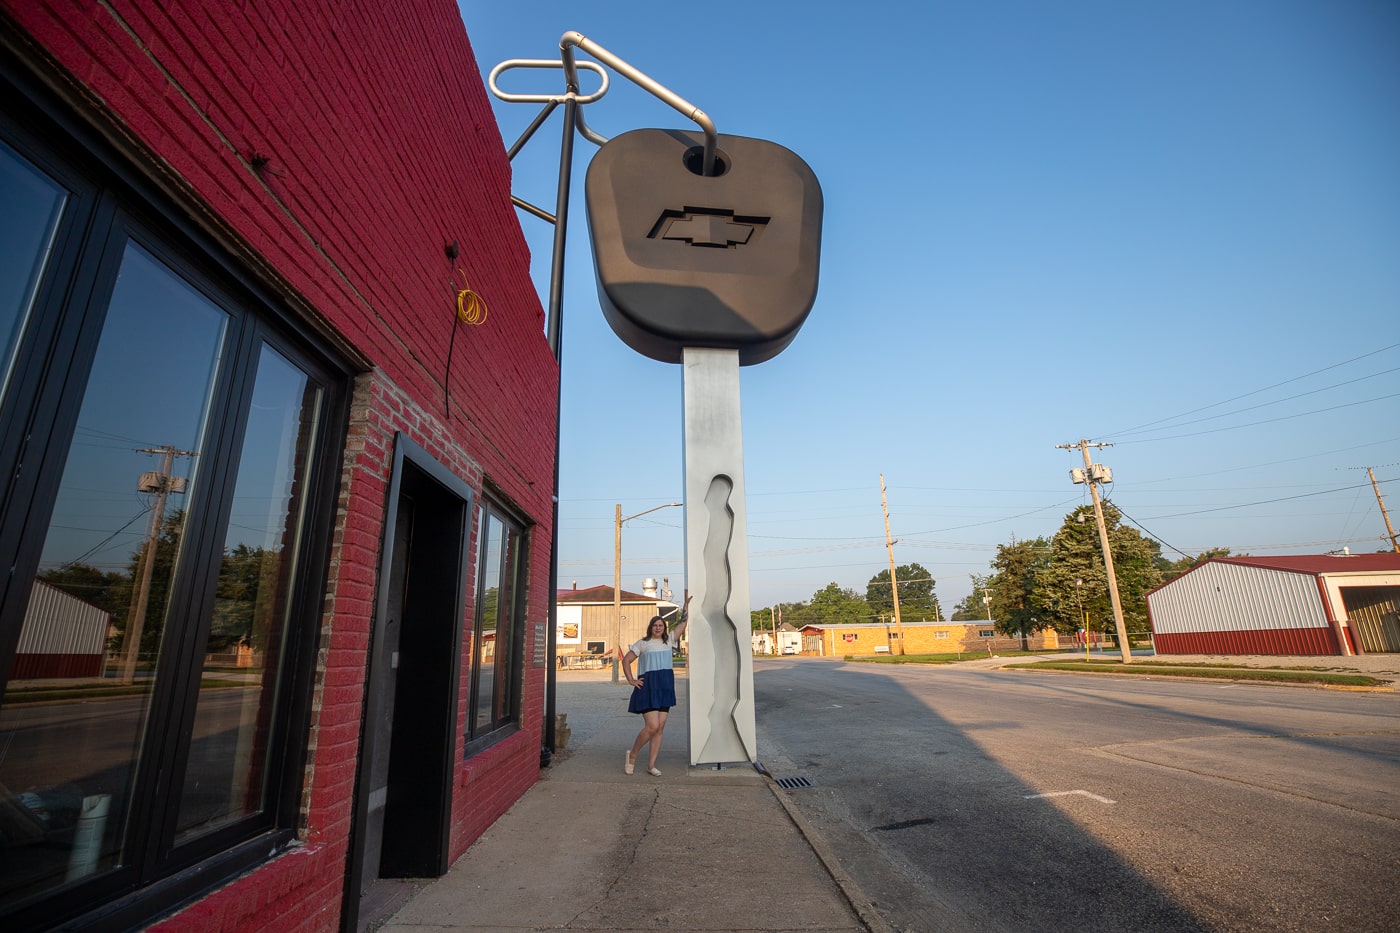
554 331
722 725
574 38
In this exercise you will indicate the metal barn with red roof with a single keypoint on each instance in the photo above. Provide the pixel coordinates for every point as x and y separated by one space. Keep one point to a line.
1297 604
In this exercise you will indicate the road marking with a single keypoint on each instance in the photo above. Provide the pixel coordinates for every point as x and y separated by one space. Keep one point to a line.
1066 793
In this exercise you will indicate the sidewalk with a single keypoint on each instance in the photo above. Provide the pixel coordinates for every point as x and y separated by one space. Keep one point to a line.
590 848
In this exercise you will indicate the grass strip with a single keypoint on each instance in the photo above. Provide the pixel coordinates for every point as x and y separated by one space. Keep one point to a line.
1218 672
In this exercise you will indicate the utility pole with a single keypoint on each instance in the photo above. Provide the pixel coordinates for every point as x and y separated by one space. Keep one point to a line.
162 484
1093 474
617 592
894 583
1389 529
617 580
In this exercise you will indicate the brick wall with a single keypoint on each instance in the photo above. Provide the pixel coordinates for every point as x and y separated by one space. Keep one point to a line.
335 149
339 147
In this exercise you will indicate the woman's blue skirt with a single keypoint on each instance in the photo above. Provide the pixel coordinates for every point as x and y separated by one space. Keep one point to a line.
657 692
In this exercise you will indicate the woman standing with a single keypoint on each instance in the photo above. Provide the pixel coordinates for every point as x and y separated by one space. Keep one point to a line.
654 687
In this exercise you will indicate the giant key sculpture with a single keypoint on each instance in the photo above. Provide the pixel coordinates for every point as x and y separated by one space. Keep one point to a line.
706 249
712 271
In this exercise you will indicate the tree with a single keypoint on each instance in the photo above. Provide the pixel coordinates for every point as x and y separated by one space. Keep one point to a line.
124 589
88 583
1171 569
244 599
1075 555
916 596
761 620
835 605
1018 604
973 607
794 614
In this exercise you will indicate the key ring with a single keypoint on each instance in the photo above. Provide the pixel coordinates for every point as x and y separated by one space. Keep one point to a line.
510 63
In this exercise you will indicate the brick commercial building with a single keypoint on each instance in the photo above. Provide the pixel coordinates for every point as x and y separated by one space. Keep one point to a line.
918 638
245 416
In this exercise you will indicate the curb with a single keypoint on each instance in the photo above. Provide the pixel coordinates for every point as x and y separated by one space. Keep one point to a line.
849 889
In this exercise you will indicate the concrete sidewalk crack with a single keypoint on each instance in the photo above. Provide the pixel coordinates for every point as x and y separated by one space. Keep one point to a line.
628 859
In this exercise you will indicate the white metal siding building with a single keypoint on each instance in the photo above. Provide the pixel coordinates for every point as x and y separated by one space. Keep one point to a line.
62 636
1303 604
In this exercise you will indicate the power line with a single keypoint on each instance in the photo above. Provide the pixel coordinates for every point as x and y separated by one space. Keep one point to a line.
936 531
1235 427
1144 530
1245 505
1255 392
1277 401
103 543
1268 463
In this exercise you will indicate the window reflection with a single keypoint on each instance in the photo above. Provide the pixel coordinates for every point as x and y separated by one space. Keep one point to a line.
507 637
497 623
80 686
33 203
489 608
225 778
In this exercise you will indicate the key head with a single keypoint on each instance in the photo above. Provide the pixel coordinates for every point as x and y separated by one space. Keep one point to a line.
726 261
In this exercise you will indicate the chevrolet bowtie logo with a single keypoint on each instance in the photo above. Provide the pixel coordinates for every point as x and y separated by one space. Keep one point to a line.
714 229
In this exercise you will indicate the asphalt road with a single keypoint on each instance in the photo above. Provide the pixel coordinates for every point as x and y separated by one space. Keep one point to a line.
981 799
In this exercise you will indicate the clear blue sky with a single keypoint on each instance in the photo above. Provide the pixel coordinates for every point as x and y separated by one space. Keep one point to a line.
1174 226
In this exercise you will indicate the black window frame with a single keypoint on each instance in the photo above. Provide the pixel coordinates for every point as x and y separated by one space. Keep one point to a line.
479 738
112 200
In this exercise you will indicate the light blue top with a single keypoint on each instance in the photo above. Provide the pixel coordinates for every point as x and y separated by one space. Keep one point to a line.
652 655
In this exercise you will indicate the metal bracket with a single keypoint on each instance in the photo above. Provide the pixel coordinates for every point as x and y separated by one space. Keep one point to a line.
571 96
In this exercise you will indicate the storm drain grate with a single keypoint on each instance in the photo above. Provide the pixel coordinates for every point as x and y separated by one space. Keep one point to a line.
789 783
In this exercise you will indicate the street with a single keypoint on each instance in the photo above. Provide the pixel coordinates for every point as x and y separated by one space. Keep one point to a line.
984 799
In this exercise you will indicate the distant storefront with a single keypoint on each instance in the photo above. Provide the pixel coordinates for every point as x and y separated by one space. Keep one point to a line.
917 638
586 621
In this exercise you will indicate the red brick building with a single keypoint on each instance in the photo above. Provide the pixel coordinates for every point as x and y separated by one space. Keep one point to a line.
239 413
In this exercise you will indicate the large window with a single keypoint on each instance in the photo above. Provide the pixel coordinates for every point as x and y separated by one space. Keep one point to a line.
167 444
498 636
34 203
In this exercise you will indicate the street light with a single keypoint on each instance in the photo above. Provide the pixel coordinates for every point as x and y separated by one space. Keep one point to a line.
617 579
